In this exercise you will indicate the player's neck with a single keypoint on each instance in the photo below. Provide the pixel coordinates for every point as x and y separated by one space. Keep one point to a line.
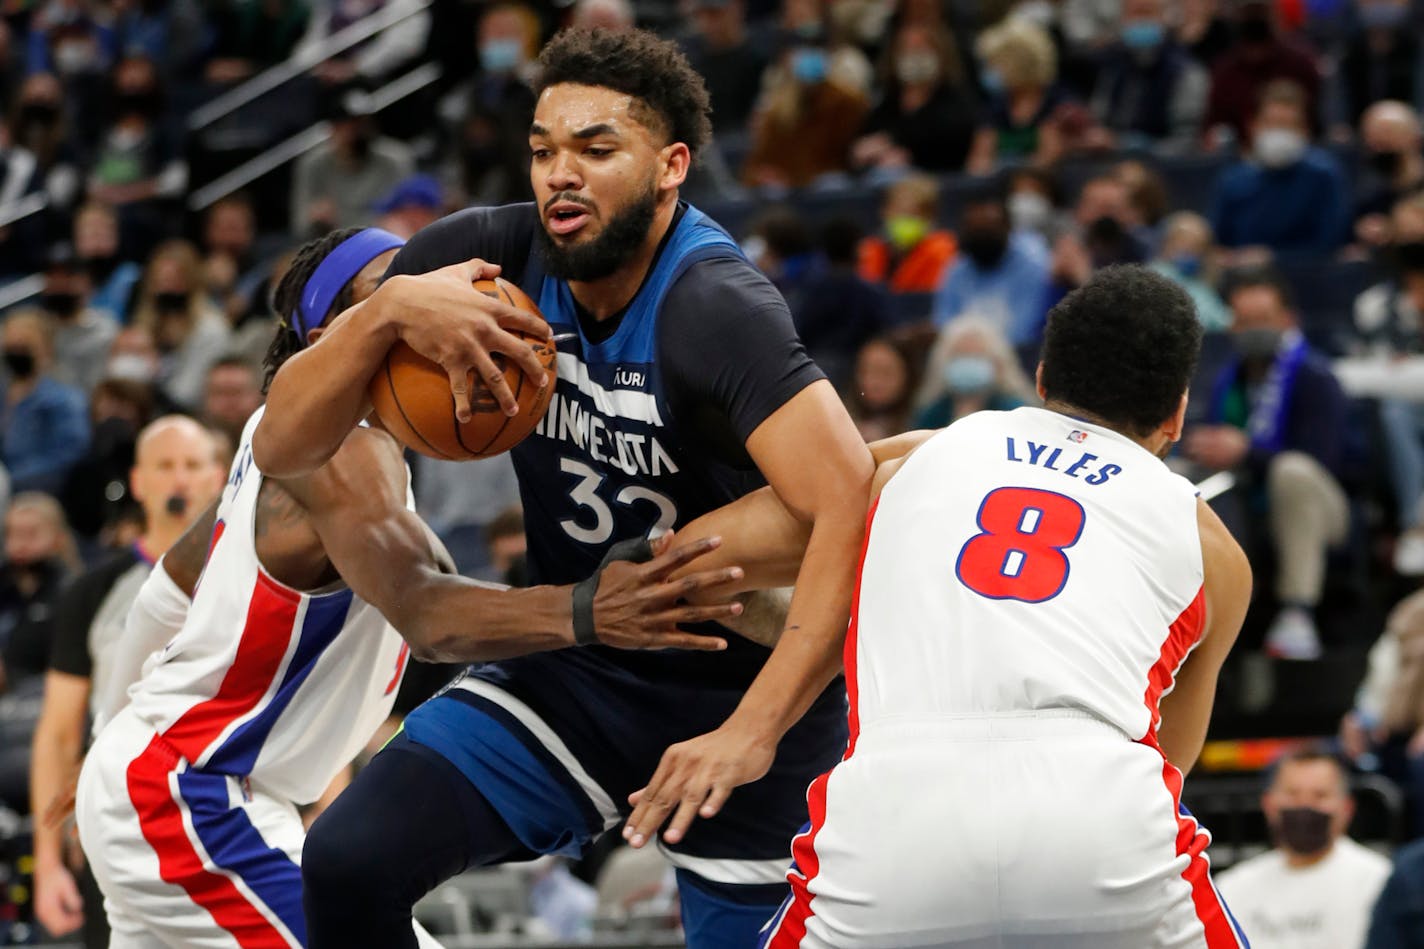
608 296
1151 444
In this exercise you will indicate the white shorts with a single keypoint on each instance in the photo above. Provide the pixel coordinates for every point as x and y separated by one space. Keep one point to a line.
1015 832
186 857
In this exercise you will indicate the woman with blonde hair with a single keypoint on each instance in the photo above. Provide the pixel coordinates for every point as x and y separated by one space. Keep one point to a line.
971 368
187 328
1019 74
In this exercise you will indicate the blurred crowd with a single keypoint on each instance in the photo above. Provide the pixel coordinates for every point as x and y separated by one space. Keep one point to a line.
923 180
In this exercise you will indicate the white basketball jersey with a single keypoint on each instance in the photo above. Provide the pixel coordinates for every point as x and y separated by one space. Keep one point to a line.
1023 561
263 680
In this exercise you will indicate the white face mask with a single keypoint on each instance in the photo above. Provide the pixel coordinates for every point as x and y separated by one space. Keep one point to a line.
130 367
1038 12
1029 211
71 58
915 68
1279 148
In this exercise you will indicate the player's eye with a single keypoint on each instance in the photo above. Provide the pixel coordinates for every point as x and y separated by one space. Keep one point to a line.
598 151
541 153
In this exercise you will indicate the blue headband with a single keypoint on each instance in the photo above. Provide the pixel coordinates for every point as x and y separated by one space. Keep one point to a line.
335 272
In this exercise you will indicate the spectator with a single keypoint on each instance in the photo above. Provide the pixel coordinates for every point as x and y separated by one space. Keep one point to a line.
886 377
782 247
375 60
730 63
1018 72
971 368
998 275
82 334
1276 418
809 22
1381 60
1107 230
233 392
1150 91
66 39
912 253
1240 77
1036 204
252 35
170 32
1290 196
95 495
1187 257
96 244
232 265
807 120
839 310
925 118
188 331
1398 918
1202 31
1316 888
45 429
40 123
1393 140
336 184
1146 196
410 206
39 556
603 15
508 548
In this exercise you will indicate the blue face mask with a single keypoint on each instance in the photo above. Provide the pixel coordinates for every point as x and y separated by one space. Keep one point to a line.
990 79
1188 265
967 375
501 55
1142 35
808 65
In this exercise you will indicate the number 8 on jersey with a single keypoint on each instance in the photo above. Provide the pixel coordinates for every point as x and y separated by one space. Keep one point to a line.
1018 553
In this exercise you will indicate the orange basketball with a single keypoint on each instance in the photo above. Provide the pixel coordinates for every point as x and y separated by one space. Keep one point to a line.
411 395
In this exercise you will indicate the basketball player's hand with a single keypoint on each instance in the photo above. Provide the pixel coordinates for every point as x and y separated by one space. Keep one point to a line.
638 607
58 905
693 780
444 318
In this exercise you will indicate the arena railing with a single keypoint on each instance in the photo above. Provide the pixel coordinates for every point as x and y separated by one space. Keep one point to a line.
304 141
284 72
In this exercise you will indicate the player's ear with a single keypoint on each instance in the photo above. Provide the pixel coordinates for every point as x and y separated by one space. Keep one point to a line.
1038 382
314 334
1173 426
676 160
136 486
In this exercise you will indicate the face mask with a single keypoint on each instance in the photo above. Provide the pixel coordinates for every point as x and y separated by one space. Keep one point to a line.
130 367
991 80
136 103
1188 265
20 362
917 68
808 65
985 249
1029 211
176 505
1303 830
1040 13
1143 35
501 56
1257 343
39 113
966 375
60 304
361 144
71 58
125 139
170 302
906 230
1279 148
100 267
1386 163
1379 16
1409 256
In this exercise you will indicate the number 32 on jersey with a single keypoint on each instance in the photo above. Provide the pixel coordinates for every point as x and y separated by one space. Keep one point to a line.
1018 553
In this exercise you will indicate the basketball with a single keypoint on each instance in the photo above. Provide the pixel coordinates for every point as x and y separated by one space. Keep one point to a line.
411 395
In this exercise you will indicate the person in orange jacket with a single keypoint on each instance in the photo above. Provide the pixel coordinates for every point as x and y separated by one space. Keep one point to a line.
911 255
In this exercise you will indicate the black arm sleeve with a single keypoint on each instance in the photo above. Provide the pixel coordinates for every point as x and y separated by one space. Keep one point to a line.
730 353
501 236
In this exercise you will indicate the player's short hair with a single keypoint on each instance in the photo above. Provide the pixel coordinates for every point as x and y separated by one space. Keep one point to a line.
288 296
1122 347
669 96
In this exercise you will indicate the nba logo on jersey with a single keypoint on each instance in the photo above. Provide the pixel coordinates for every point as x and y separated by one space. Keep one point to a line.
1077 436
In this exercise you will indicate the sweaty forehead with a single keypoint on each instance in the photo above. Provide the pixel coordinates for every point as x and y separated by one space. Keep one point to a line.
568 108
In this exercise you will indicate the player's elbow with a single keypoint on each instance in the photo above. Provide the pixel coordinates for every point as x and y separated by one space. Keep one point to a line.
276 453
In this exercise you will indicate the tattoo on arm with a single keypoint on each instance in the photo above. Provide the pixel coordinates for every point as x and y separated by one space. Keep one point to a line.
184 560
276 509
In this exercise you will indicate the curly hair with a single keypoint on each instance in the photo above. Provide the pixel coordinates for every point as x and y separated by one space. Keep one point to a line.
1122 347
669 96
287 296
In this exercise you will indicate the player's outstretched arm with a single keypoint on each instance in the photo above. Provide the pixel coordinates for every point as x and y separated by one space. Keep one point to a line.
696 777
385 553
319 394
1186 710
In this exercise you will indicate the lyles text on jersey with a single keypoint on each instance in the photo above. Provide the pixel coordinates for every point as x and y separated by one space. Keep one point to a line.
1033 453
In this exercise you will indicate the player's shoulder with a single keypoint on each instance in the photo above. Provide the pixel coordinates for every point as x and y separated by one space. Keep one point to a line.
723 290
501 235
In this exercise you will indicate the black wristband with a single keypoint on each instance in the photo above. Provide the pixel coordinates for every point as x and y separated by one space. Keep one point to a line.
633 550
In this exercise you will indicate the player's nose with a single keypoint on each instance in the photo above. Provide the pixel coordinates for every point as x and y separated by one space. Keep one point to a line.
563 174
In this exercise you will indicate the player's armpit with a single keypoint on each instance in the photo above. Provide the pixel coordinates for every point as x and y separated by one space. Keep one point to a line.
184 560
1186 710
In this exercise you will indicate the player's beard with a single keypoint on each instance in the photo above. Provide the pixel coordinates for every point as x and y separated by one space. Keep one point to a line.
621 238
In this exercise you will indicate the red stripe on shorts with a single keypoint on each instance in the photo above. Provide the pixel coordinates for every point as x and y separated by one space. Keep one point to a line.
161 821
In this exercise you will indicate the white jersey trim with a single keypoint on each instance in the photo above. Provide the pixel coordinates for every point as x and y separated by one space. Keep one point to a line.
750 872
